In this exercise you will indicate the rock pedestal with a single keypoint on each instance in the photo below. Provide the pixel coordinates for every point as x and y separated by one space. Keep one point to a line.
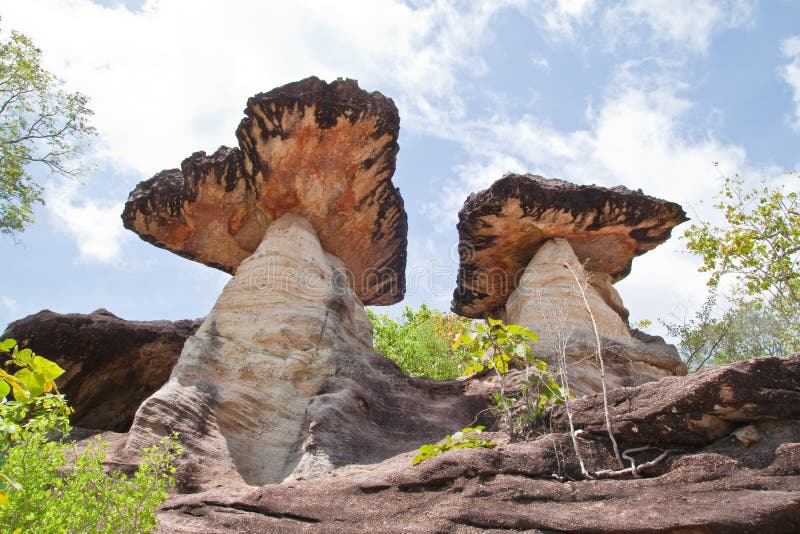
549 301
243 382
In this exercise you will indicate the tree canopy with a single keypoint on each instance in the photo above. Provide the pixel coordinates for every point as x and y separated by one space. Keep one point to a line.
759 244
40 122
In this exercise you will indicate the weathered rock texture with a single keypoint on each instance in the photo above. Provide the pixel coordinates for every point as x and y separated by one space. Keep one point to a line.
549 301
733 437
325 151
500 229
111 364
280 380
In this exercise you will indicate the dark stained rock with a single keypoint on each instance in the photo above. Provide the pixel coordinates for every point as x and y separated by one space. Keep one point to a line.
709 481
111 365
699 408
500 229
324 151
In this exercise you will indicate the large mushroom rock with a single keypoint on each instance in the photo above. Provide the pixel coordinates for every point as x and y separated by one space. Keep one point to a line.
730 439
111 365
325 151
280 380
306 216
500 229
545 254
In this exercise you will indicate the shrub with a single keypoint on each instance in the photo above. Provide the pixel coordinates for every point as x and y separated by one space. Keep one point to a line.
420 341
500 347
46 484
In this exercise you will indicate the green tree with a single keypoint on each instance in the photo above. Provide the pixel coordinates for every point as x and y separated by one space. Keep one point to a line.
40 122
747 329
759 243
420 341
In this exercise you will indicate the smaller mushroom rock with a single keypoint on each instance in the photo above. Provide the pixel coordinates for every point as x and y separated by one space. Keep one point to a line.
324 151
500 229
528 247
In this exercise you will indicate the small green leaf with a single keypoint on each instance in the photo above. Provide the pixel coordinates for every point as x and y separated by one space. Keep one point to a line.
25 356
50 370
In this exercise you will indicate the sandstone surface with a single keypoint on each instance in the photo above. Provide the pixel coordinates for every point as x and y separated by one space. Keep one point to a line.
325 151
280 380
548 300
711 479
111 365
501 228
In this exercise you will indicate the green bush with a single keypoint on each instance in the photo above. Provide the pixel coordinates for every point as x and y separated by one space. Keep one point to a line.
46 484
500 347
421 341
56 494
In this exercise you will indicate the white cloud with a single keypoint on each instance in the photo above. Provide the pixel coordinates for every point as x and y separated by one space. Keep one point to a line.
640 135
687 24
94 225
541 63
791 74
9 303
562 18
173 78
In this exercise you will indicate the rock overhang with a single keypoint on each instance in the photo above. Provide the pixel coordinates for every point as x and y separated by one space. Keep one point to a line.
501 228
326 151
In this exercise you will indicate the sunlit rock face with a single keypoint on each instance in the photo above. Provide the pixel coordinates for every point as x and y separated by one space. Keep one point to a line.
549 299
325 151
501 228
240 390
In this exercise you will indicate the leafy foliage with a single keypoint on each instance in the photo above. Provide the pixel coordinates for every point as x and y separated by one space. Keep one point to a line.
39 123
467 438
760 242
34 410
46 485
748 329
59 495
420 341
760 245
500 347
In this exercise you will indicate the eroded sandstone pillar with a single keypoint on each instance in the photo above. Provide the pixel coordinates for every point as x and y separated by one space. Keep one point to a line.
239 392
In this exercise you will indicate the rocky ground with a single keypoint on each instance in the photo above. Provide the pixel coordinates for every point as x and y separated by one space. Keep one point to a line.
728 440
732 438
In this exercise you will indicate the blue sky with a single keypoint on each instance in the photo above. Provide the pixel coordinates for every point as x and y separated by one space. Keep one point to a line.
643 93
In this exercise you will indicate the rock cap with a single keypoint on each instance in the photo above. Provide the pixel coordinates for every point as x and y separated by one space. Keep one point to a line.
326 151
502 227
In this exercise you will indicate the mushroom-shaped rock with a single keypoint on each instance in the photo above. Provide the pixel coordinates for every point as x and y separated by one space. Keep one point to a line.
323 151
280 379
500 229
545 254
